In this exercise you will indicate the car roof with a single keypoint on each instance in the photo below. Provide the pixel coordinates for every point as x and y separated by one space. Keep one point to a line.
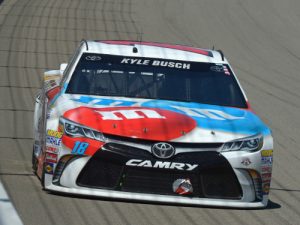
153 50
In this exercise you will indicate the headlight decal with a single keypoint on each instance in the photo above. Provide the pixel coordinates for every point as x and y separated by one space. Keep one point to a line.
77 130
73 130
251 144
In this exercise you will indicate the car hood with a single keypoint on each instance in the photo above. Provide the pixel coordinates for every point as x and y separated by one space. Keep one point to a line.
161 120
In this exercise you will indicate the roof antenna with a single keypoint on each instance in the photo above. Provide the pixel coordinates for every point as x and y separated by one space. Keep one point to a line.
221 53
86 44
134 50
139 39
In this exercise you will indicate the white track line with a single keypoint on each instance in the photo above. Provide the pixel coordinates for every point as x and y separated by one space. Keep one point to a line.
8 213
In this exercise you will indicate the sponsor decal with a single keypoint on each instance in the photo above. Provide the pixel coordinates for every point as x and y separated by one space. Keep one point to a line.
50 157
52 149
161 164
213 114
183 186
130 114
207 113
225 69
49 167
266 169
51 77
266 176
266 153
161 63
266 188
53 141
134 122
246 161
267 160
80 147
267 180
163 150
206 116
54 133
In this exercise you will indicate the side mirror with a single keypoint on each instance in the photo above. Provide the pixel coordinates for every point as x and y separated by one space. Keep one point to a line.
62 67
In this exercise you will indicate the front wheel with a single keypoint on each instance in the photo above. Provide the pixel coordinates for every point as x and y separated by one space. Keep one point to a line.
43 177
34 162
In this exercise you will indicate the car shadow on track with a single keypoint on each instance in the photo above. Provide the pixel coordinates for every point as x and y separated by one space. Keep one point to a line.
271 204
284 189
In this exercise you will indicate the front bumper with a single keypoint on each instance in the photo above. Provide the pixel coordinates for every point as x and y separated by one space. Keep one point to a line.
83 176
157 198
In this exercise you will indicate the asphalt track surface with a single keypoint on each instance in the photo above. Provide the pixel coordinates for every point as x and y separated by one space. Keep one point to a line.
260 39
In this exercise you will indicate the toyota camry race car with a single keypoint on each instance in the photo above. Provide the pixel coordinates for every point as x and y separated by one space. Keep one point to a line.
152 122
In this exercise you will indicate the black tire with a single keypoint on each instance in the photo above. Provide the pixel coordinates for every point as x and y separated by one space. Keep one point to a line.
34 162
34 168
43 177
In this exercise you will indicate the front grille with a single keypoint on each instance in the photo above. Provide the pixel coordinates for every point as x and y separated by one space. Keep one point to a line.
100 174
213 178
220 183
156 181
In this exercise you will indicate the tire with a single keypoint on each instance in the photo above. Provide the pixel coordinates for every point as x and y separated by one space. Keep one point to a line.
43 177
34 162
35 167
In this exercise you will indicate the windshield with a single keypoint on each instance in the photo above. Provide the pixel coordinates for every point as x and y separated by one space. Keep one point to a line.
136 77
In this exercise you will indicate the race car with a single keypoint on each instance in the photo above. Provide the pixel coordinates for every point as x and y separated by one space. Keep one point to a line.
153 122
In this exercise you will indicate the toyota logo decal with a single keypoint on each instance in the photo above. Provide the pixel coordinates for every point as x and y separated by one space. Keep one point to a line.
93 58
163 150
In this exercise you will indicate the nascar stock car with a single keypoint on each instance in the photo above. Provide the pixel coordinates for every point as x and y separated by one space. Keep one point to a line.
152 122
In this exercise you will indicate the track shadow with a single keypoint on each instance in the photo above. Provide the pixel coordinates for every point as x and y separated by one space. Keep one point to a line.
16 174
273 205
284 189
